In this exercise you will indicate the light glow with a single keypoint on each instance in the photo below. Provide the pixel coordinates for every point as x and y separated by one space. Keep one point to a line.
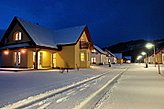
149 45
6 52
23 51
143 53
139 57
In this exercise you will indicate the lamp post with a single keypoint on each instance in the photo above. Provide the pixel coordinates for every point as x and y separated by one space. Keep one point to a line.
139 57
149 46
146 62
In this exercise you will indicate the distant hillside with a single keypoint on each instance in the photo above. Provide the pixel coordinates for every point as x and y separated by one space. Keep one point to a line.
134 47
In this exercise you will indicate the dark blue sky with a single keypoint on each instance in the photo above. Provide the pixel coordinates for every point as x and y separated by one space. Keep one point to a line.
109 21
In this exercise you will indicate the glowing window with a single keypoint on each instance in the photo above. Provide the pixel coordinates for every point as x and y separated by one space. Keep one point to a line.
82 57
17 36
17 58
93 51
93 60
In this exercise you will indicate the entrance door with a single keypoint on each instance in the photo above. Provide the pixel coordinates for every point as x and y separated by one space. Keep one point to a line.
17 58
40 57
54 60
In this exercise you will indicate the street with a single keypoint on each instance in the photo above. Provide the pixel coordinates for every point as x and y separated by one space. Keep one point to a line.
137 87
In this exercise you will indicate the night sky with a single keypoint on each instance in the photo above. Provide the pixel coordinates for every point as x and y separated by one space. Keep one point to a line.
109 21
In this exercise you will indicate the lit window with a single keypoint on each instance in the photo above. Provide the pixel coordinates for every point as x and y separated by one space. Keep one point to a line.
93 51
82 57
17 36
17 58
93 60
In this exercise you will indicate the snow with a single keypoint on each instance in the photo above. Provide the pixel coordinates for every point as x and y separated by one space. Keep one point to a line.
138 88
15 86
78 94
51 38
99 49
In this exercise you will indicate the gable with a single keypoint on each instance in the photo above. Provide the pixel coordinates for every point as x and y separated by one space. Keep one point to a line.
10 38
84 37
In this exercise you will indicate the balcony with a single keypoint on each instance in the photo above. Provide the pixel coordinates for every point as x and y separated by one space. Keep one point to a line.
84 45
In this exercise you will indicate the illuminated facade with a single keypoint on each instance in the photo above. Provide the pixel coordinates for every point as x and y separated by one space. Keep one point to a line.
27 45
159 57
98 56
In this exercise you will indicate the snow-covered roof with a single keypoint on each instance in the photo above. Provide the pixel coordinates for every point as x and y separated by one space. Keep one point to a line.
118 55
128 57
15 46
99 49
51 38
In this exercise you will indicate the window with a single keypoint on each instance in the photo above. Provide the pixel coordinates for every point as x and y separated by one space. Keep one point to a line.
17 58
82 57
88 57
93 51
93 60
17 36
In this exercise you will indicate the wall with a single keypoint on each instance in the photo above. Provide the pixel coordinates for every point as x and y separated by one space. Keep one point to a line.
30 58
69 57
66 57
46 59
8 60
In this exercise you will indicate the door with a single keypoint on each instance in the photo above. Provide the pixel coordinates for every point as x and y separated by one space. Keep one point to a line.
54 60
17 58
40 57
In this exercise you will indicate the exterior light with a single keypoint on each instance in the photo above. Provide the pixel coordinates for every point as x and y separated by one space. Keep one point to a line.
6 52
139 57
23 51
149 45
143 53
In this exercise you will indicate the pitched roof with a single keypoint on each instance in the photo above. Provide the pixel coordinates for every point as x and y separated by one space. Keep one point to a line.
99 49
51 38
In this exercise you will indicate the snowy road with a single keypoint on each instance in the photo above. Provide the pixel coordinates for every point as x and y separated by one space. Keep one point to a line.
138 88
15 86
73 97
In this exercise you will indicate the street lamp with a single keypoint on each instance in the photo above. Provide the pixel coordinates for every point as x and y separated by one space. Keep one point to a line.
150 46
139 57
146 62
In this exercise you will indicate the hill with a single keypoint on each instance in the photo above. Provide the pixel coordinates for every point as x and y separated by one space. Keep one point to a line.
134 47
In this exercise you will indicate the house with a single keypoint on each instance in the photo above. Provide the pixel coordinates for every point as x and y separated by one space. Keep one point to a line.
159 57
119 58
28 45
127 59
112 57
98 56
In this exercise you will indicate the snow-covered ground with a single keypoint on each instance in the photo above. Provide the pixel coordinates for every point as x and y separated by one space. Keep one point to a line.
15 86
138 88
